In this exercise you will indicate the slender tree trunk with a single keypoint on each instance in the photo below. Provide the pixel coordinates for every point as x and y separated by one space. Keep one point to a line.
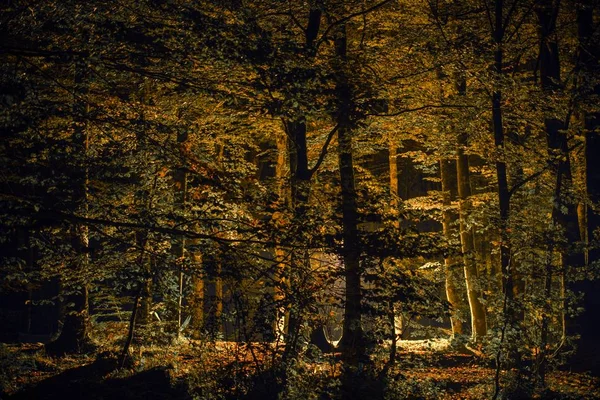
393 163
187 253
298 263
197 297
142 239
509 306
280 287
352 340
300 176
178 248
219 297
454 272
474 293
501 175
395 204
467 236
568 221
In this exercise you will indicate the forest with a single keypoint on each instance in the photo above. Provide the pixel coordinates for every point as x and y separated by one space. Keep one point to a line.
318 199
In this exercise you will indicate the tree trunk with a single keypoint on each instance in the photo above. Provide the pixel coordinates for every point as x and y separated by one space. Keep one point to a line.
467 236
454 274
474 293
280 285
568 221
352 345
586 324
196 303
300 175
509 325
393 163
298 263
76 325
180 188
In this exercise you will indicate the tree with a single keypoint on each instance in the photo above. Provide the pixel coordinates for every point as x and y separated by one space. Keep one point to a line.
454 275
585 324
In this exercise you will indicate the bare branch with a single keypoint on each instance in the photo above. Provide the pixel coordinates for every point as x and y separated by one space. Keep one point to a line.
348 18
425 107
312 170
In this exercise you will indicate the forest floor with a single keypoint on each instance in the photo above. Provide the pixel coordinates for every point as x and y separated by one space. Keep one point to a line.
426 369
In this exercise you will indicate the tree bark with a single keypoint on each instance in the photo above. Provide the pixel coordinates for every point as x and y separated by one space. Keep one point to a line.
197 297
352 345
454 274
393 163
567 222
586 323
280 287
298 263
509 308
300 176
474 293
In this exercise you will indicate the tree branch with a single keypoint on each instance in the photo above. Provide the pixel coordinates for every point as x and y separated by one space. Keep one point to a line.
349 17
425 107
312 170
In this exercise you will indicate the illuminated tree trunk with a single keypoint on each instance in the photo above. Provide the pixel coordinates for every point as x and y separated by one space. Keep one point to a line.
219 297
467 236
454 272
178 247
196 302
280 287
474 293
393 162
